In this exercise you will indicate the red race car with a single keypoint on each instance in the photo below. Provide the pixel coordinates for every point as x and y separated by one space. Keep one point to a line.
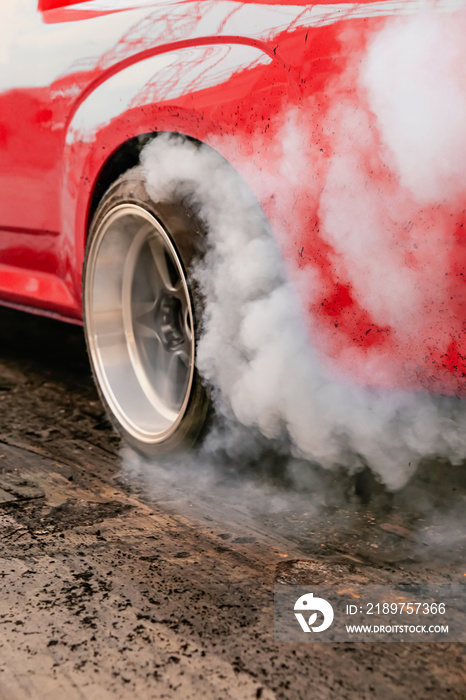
135 132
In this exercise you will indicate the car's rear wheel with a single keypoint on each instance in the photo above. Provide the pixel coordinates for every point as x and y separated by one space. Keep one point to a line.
142 314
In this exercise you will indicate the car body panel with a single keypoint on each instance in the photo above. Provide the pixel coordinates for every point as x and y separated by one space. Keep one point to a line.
83 78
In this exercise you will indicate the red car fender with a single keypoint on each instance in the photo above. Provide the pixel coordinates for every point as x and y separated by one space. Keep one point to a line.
150 96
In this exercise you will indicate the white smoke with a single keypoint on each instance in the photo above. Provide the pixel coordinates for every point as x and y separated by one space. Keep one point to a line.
255 350
415 74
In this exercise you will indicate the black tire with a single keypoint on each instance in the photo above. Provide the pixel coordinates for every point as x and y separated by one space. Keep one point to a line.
145 390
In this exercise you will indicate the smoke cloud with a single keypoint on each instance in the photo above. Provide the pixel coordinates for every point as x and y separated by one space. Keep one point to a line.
387 179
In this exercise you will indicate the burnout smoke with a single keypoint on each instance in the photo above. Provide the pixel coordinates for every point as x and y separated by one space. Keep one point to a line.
256 351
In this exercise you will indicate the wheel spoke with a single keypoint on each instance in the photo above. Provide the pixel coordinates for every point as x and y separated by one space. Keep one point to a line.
144 288
144 319
184 354
153 380
166 271
171 383
141 309
145 330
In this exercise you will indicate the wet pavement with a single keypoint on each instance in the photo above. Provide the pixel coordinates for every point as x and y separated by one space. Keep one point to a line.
122 579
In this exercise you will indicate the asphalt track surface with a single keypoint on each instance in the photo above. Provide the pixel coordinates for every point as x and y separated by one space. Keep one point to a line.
120 579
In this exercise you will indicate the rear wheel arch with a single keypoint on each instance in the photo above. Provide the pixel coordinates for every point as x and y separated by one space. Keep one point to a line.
182 221
125 157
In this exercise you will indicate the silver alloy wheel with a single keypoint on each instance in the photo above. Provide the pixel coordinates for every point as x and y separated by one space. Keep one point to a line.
139 321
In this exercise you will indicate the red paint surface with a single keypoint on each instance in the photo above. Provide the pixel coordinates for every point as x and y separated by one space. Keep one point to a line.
45 5
46 189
